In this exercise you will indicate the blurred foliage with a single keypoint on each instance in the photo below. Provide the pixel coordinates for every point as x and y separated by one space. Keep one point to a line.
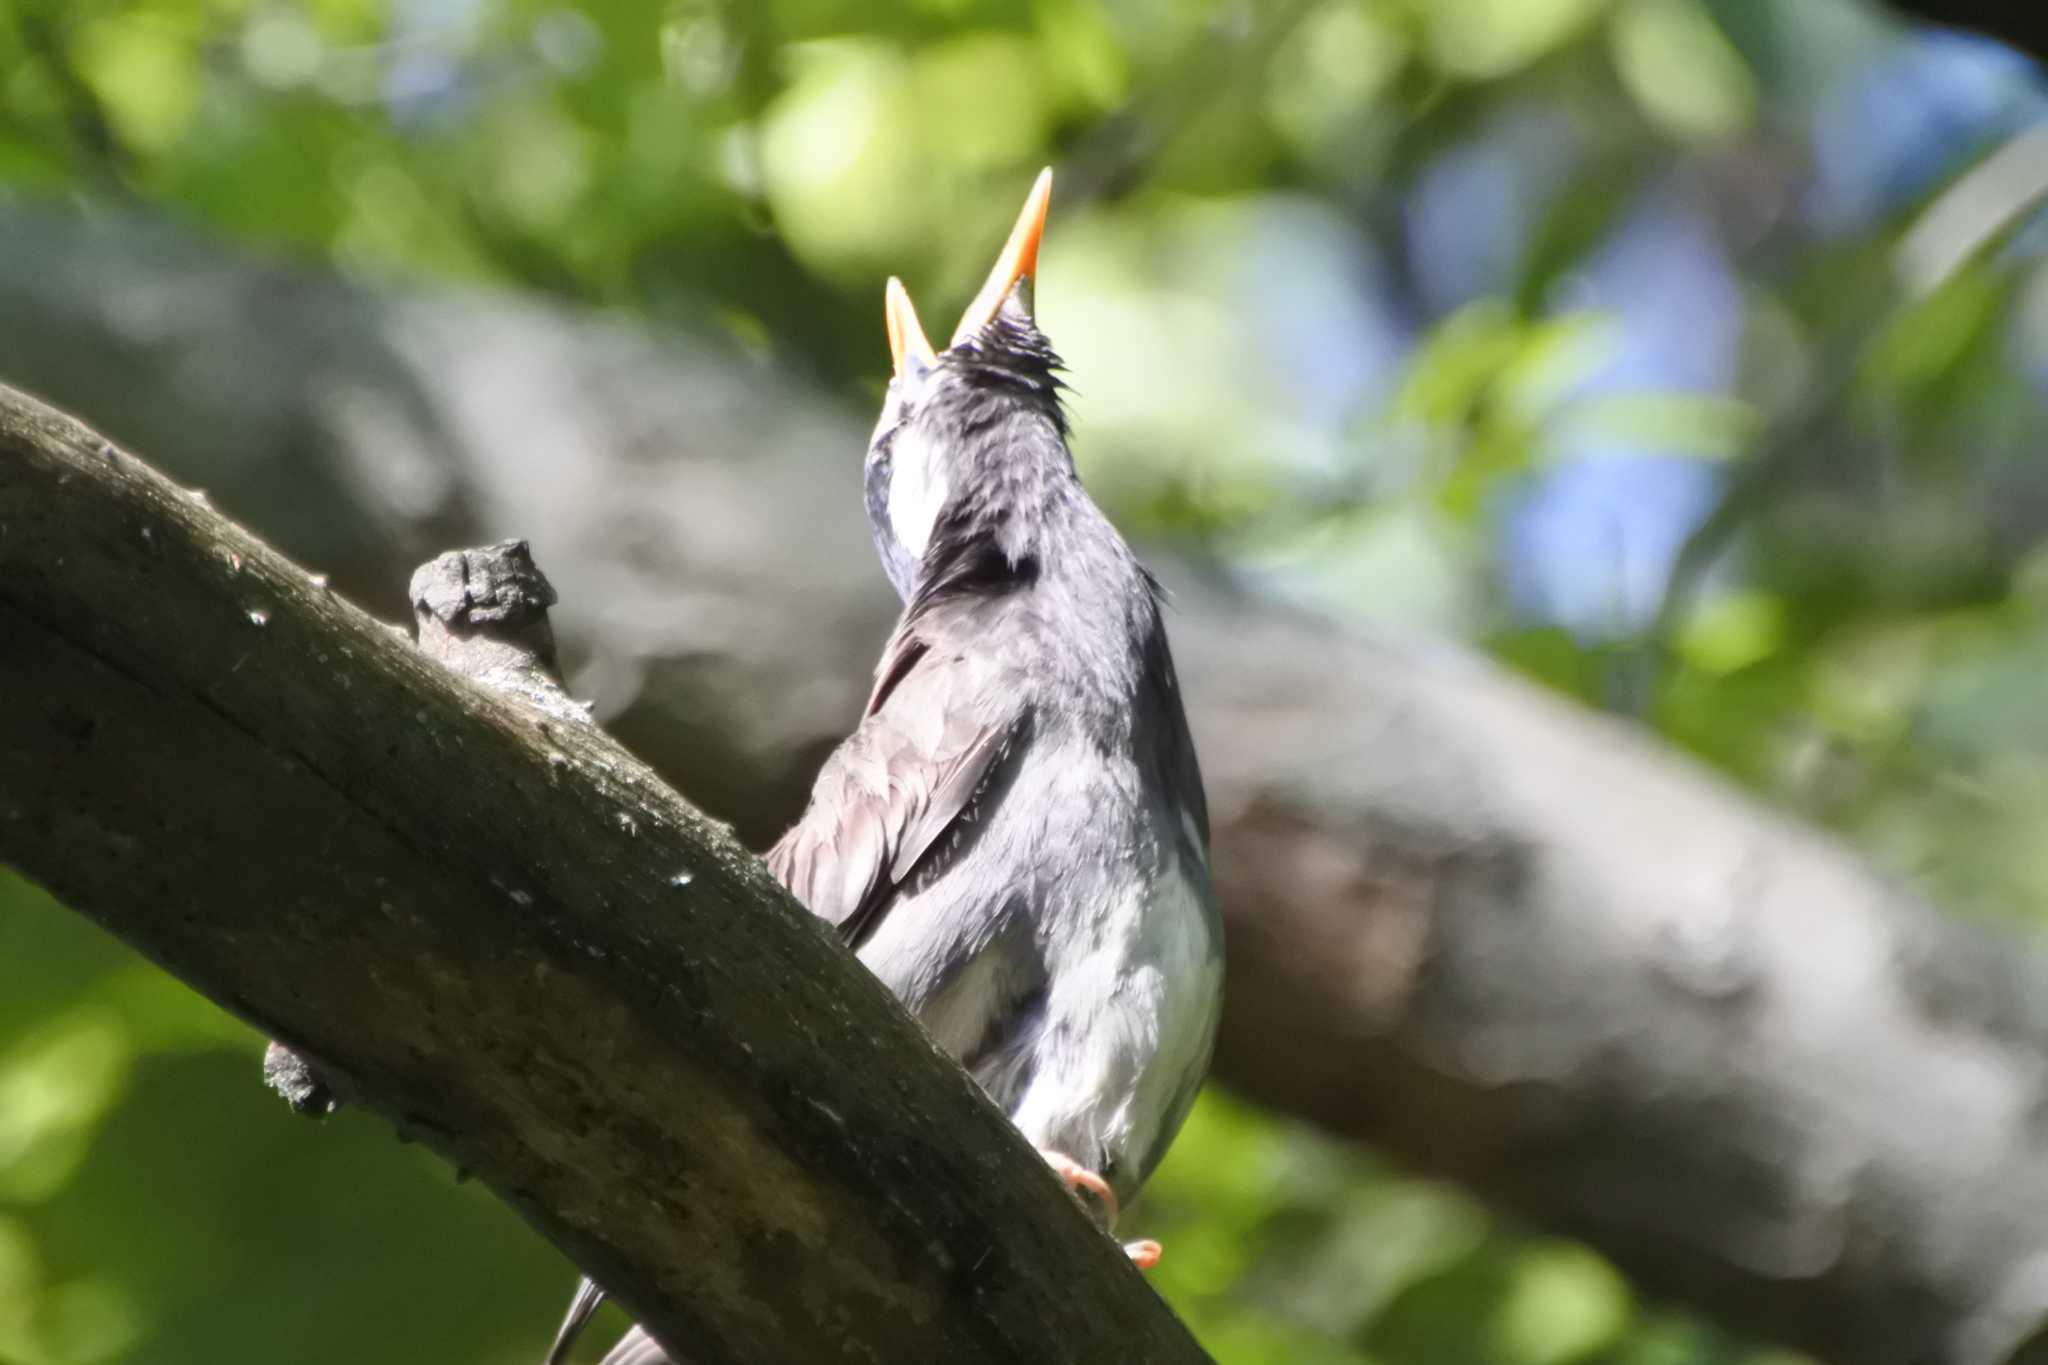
1666 349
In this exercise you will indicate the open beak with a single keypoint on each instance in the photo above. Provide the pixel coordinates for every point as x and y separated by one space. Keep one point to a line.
1019 261
906 336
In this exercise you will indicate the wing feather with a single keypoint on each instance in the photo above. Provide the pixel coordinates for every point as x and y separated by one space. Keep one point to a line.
952 793
937 726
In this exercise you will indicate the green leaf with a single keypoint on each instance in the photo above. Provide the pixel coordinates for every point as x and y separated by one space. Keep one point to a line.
1683 73
56 1083
1562 1304
1487 39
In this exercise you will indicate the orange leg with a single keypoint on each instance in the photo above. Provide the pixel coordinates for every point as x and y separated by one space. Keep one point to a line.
1145 1253
1079 1177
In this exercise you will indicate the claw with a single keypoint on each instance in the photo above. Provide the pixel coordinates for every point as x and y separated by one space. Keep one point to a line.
1144 1253
1079 1177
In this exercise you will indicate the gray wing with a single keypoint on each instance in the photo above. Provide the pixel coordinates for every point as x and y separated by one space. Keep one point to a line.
937 725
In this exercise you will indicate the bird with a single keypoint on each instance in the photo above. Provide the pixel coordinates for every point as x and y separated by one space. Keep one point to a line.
1015 837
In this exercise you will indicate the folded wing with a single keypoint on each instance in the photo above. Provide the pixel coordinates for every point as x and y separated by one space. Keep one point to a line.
889 804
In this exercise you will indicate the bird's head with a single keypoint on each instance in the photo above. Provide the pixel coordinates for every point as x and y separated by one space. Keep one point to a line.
972 442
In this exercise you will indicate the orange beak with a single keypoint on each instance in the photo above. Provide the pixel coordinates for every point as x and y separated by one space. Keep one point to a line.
1019 261
906 336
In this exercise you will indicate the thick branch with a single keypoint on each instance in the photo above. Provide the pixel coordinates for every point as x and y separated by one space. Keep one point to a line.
1513 943
1498 937
496 927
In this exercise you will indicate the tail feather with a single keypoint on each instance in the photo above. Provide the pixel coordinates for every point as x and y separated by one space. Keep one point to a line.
637 1348
588 1297
634 1348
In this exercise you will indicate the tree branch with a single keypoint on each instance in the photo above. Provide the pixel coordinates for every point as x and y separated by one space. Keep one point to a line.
1500 938
494 926
1511 942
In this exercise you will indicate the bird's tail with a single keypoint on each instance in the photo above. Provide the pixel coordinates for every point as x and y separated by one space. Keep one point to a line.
588 1297
634 1348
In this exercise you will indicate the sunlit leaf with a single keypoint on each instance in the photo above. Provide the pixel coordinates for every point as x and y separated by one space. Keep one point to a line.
1733 631
1680 68
841 150
56 1083
1710 426
1490 38
145 70
1331 70
1563 1303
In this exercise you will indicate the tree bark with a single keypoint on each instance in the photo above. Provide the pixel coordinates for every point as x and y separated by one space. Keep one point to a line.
1505 940
484 919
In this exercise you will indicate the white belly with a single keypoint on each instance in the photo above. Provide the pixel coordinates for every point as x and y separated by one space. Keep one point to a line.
1130 1020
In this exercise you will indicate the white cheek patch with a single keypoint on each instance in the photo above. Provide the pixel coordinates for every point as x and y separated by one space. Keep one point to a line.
917 490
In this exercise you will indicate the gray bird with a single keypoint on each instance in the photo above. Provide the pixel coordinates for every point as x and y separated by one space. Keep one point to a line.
1014 838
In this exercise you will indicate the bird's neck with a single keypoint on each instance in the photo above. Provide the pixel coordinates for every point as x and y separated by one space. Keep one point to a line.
1012 524
1036 540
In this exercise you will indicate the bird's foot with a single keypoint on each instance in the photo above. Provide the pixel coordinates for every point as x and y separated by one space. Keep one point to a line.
1079 1177
1144 1253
